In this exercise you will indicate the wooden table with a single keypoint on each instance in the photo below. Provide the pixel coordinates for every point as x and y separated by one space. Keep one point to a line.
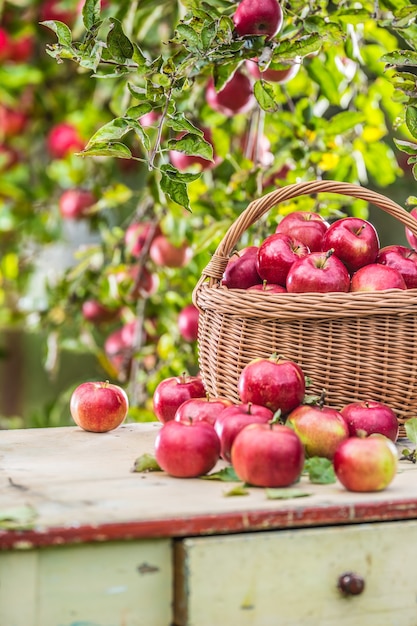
85 541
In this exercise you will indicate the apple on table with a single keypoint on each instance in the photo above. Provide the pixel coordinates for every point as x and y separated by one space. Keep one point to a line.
171 392
98 406
370 417
207 408
233 419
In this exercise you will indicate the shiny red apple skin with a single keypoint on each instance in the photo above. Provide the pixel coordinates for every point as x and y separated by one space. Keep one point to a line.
95 312
171 392
321 429
274 75
305 226
376 277
276 254
318 272
410 236
187 449
354 240
205 408
235 97
98 406
233 419
258 17
241 272
268 288
371 417
366 464
278 384
74 204
267 455
188 319
403 259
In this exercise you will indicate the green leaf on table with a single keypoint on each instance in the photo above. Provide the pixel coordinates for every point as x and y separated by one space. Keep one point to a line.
285 493
239 490
146 463
227 474
320 470
410 427
18 517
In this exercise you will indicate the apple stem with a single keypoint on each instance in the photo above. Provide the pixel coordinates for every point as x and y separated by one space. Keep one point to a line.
249 411
360 229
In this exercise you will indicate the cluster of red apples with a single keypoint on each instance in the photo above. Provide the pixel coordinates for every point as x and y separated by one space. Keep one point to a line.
267 435
307 254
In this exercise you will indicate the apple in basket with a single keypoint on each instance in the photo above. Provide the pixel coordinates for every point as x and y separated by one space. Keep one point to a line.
241 271
276 254
319 272
266 287
187 449
207 409
267 455
355 242
233 419
376 277
410 236
171 392
370 417
366 463
307 227
402 259
321 428
274 382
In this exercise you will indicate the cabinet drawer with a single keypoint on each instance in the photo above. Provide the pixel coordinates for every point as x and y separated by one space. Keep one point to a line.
290 577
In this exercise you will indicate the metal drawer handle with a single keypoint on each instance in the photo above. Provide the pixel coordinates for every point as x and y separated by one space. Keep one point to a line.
351 584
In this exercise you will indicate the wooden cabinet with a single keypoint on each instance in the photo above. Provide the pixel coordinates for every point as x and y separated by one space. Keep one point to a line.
84 541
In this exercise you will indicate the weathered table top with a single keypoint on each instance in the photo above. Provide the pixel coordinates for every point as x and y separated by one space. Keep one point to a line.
63 485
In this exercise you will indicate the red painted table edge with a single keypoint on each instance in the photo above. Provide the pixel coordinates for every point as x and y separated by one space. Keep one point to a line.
236 522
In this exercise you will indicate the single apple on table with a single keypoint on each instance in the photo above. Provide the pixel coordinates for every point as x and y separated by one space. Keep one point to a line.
275 382
306 226
276 254
321 429
402 259
233 419
319 272
98 406
207 408
370 417
258 17
171 392
355 242
187 449
366 464
241 272
267 455
376 277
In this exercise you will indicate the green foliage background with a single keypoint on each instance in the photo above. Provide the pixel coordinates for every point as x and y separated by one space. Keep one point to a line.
348 114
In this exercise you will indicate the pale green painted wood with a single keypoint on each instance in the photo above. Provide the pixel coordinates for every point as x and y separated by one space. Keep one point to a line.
109 584
18 580
289 578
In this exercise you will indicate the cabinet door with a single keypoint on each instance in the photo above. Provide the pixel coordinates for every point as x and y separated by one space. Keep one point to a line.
109 584
291 577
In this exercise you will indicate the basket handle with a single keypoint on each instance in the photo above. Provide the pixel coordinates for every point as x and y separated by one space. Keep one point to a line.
257 208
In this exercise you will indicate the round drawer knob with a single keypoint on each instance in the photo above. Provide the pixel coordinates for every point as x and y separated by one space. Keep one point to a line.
351 584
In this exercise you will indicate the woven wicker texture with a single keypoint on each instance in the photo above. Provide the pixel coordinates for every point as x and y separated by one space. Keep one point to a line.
356 346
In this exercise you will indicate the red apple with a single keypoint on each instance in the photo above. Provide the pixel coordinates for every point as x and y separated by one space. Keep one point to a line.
75 203
307 227
274 74
22 48
266 287
241 272
267 455
5 45
93 311
138 235
402 259
149 119
354 240
410 236
276 254
371 417
98 406
12 122
321 429
276 383
233 419
319 272
57 10
145 283
188 322
171 392
235 97
206 408
377 277
63 139
258 17
187 449
366 463
164 253
119 347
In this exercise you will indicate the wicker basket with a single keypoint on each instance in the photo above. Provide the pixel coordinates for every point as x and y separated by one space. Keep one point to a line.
356 346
